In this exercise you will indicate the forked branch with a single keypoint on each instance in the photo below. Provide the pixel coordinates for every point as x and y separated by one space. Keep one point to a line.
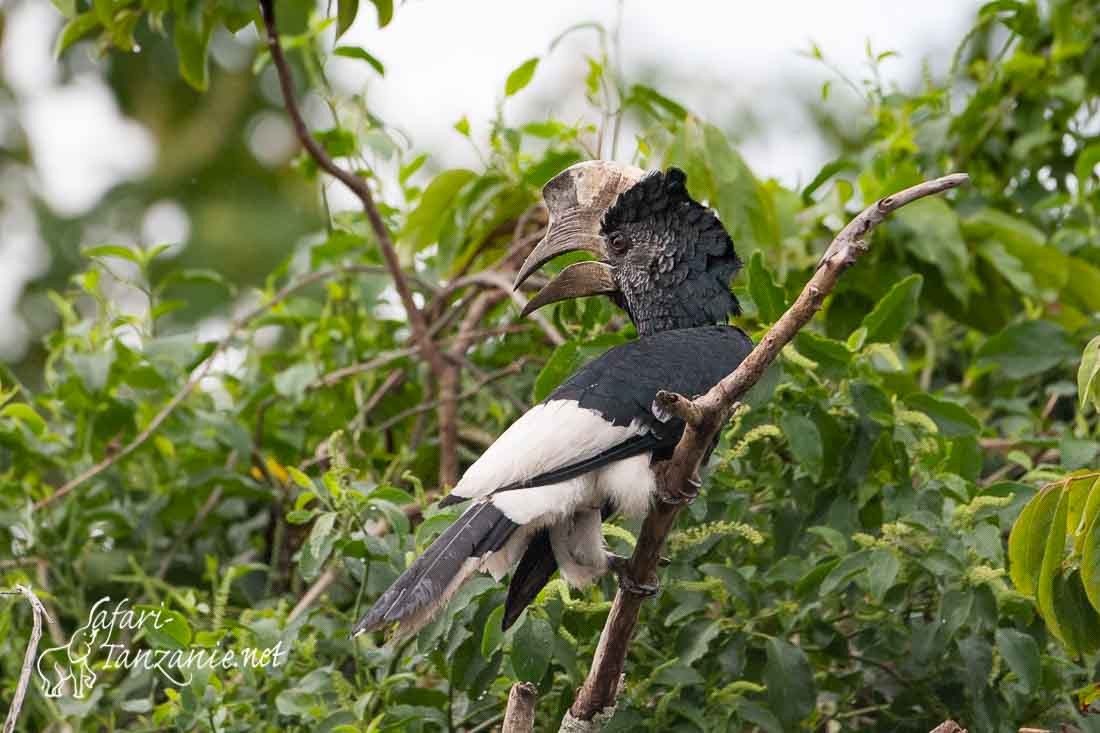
705 417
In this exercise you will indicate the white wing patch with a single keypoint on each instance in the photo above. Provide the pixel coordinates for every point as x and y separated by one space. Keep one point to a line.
549 436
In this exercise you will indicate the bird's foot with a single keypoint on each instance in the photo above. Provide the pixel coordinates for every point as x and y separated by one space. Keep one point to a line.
621 567
685 495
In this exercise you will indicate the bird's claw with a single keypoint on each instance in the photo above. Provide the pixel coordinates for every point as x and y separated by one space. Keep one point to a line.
676 496
620 566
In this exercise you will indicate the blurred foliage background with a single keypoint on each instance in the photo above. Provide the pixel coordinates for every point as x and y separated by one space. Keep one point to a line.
266 473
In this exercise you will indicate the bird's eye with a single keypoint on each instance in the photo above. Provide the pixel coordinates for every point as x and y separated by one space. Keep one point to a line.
618 243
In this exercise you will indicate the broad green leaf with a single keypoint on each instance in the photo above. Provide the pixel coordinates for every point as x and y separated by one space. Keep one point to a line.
1087 386
955 607
346 10
492 635
935 238
895 311
843 573
1046 265
1009 266
1078 622
521 76
1025 349
532 647
356 52
1051 567
790 682
770 300
1027 540
952 420
882 572
1090 550
832 356
805 441
425 222
1022 655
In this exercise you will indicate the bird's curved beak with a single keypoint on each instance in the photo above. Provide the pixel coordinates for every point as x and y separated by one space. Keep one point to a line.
577 199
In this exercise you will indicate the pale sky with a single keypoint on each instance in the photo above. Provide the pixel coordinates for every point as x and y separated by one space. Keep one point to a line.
446 60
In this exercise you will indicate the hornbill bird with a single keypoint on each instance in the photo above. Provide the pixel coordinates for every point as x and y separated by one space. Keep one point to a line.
540 492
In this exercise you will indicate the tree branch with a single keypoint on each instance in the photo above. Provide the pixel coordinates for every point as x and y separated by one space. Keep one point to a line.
355 184
519 716
39 612
705 416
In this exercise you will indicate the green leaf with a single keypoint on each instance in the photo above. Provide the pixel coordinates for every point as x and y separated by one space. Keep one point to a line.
843 573
112 250
1078 622
163 627
427 530
385 12
953 420
532 647
1022 655
425 222
1087 161
322 538
895 311
1009 267
26 415
805 441
192 36
293 381
934 237
75 30
770 300
1053 554
790 682
346 10
299 478
492 634
355 52
521 76
827 171
1025 349
1087 386
1090 554
832 356
882 572
1027 540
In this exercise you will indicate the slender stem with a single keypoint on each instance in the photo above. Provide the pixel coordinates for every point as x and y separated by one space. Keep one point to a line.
39 613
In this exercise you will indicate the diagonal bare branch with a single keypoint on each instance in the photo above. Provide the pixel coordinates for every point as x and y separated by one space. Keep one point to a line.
705 416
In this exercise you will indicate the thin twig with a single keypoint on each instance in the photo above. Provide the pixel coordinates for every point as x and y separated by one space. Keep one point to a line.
39 613
324 580
358 186
678 477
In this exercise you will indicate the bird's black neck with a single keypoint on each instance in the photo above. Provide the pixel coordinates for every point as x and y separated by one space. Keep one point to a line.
665 312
